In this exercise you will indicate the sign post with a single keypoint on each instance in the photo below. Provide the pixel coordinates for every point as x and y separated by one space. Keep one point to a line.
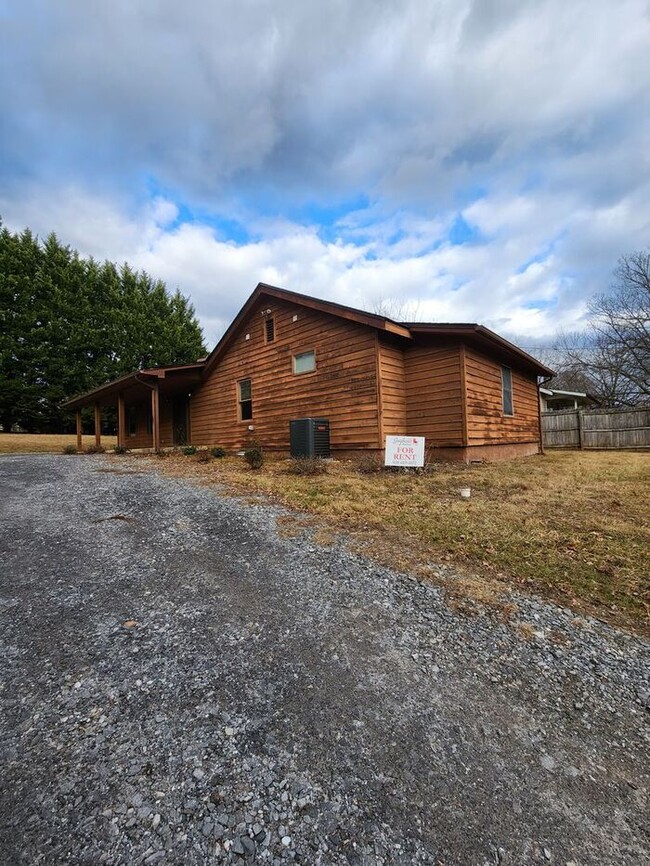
404 451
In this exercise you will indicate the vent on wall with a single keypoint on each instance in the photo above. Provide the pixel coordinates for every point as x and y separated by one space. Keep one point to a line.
269 329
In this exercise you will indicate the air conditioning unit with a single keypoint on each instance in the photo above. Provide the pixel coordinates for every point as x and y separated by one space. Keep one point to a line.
310 437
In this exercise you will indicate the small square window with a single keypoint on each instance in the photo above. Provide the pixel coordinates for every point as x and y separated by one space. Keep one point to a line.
506 390
245 399
269 329
305 362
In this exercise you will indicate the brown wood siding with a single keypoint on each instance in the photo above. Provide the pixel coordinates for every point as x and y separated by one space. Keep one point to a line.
166 428
142 439
393 395
486 422
343 388
434 393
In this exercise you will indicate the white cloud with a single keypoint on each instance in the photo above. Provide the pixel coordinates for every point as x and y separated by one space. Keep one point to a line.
530 118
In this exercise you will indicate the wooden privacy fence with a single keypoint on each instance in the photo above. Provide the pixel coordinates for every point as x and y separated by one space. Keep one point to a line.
597 428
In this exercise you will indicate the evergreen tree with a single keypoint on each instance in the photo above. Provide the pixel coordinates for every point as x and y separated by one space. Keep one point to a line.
68 324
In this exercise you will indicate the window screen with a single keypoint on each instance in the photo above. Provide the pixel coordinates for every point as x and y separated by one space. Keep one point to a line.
305 362
245 400
506 388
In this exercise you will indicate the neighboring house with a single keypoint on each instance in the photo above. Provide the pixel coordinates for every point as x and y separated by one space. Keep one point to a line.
554 400
471 393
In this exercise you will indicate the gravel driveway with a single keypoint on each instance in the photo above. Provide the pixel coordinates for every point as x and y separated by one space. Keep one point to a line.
183 685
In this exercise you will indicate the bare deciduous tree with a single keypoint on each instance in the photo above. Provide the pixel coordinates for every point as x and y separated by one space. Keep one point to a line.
398 309
613 360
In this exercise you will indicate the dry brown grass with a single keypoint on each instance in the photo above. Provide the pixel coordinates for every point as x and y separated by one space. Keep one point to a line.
573 526
30 443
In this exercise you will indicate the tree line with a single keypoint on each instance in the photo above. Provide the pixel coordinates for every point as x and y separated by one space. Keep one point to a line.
69 324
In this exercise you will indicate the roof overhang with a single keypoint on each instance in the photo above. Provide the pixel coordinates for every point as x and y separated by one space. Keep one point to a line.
554 392
136 386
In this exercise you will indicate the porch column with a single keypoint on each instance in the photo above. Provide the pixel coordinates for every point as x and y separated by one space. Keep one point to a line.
121 425
98 424
79 441
155 417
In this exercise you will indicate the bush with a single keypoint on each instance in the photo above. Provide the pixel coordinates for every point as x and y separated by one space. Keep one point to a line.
70 449
189 450
307 466
95 449
369 464
203 457
120 449
254 456
218 452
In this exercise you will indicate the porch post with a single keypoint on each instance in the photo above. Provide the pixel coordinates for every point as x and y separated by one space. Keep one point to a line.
98 424
79 441
155 417
121 427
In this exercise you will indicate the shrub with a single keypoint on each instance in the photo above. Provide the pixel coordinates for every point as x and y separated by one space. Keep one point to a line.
307 466
120 449
254 455
218 452
368 464
203 457
189 450
95 449
69 449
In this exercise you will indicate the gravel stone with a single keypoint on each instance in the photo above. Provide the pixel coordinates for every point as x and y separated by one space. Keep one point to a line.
341 712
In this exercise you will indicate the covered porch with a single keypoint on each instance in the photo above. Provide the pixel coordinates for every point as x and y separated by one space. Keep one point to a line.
153 407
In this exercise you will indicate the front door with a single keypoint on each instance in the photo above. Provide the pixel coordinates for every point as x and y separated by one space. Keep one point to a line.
180 409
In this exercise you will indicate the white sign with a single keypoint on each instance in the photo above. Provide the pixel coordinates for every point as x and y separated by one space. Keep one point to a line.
404 451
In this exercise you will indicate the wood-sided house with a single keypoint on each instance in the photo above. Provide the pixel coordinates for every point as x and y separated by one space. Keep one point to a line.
471 393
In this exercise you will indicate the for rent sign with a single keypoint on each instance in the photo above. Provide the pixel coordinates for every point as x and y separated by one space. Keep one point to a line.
404 451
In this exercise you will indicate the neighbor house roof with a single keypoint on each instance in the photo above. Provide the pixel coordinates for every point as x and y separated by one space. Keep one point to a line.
556 392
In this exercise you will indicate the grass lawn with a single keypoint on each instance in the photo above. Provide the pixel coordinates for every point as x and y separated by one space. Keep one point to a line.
573 526
29 443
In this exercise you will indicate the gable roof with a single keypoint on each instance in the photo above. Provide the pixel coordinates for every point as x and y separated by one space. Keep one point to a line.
477 333
361 317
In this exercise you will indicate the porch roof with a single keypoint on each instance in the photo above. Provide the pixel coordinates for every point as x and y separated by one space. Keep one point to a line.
137 385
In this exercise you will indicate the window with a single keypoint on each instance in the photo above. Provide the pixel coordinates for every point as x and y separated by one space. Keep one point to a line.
132 420
506 390
305 362
245 400
269 329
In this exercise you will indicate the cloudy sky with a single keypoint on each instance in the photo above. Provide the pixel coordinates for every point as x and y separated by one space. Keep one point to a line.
468 160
